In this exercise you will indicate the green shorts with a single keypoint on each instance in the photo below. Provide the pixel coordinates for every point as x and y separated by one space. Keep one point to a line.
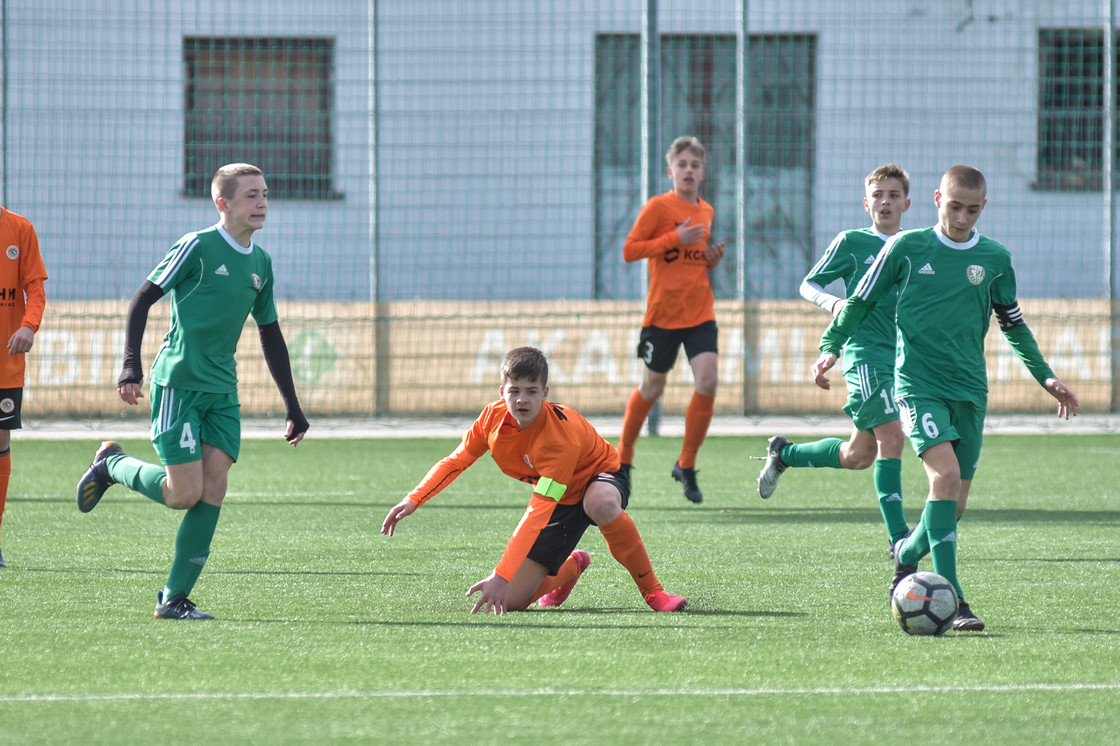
870 396
933 421
183 420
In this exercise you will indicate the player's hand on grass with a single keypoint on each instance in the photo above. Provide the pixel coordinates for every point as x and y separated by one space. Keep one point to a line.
404 508
823 365
493 599
1067 400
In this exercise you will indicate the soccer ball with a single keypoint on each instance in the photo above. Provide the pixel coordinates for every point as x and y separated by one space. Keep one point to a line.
924 603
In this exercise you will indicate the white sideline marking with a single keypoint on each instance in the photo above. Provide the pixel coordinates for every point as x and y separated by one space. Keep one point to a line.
729 692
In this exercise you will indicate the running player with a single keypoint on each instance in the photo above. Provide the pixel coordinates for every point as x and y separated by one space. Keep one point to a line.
672 231
216 278
577 482
949 280
876 436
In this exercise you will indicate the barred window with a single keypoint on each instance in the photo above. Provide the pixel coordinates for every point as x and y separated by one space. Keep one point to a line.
265 101
1071 112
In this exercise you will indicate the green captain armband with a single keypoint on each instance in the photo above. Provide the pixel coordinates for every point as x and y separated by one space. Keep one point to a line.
548 487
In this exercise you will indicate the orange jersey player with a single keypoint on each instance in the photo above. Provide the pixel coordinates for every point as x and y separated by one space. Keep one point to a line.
22 300
672 232
576 483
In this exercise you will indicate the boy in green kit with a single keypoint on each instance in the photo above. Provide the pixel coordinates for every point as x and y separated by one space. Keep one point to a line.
876 438
216 278
949 279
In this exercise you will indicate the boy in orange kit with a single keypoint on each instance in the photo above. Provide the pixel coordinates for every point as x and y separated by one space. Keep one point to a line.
22 300
672 232
577 482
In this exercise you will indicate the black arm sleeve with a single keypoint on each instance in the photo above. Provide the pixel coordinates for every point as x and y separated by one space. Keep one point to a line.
145 297
280 365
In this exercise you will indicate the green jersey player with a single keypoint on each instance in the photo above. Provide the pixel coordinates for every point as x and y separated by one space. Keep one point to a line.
876 436
216 278
949 279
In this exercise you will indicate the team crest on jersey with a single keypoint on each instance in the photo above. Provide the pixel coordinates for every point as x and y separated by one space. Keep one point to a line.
7 406
256 280
975 274
13 252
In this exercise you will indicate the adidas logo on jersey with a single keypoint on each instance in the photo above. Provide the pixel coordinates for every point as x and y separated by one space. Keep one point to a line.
870 260
222 271
926 270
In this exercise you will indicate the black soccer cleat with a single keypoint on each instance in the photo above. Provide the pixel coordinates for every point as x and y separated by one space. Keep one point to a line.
687 478
966 621
2 563
92 485
891 544
768 477
178 607
901 571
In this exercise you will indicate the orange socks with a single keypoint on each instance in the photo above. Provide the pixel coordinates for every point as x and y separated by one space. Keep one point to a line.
626 546
696 422
637 409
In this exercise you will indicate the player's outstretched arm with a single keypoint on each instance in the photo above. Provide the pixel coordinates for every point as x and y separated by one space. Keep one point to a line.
1067 400
401 510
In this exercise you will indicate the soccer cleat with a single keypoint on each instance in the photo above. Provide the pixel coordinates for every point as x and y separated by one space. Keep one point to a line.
662 601
891 544
557 596
900 570
966 621
96 480
2 563
687 478
178 607
768 477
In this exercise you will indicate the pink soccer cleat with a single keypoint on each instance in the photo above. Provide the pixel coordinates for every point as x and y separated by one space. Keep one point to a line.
662 601
557 596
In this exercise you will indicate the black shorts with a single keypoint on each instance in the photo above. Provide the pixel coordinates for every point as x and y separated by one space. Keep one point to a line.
568 522
11 406
658 347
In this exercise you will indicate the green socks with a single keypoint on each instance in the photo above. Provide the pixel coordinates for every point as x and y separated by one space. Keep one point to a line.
942 532
192 547
138 476
821 453
888 486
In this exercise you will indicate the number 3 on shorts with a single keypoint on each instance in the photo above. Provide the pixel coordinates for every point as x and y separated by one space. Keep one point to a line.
186 438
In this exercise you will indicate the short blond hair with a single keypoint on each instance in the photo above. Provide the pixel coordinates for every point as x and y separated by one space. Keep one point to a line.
890 171
224 183
683 143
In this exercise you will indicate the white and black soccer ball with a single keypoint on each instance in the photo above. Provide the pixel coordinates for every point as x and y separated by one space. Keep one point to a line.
924 603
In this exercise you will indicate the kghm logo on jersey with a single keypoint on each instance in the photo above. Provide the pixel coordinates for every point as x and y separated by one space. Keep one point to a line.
256 280
975 274
12 252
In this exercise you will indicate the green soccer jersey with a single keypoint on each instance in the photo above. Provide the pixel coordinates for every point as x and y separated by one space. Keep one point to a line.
214 284
946 294
848 258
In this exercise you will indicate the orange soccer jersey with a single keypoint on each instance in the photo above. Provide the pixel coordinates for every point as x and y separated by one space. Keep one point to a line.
22 298
680 293
558 454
